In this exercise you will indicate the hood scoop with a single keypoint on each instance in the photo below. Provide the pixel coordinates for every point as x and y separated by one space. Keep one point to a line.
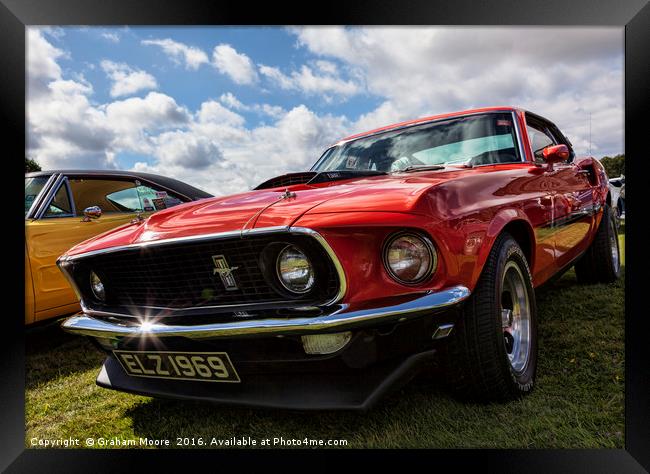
287 180
313 177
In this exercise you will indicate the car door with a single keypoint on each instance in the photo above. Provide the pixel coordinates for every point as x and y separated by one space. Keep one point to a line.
571 193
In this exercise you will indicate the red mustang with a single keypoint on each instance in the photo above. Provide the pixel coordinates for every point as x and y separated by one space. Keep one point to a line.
326 288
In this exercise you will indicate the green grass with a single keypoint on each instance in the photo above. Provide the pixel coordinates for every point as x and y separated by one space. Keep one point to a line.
577 403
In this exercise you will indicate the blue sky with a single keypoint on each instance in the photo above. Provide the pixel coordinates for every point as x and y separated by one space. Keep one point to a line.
225 108
271 45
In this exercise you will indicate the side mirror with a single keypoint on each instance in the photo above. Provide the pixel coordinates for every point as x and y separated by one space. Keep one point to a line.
92 212
555 154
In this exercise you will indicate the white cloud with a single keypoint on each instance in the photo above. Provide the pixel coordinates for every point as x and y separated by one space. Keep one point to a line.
237 66
325 83
42 62
111 37
561 73
327 67
192 56
277 76
232 102
142 112
126 80
186 150
65 130
55 32
65 127
212 111
229 100
135 120
273 111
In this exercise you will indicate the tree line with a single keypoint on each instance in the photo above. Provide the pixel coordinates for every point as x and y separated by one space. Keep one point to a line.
614 165
31 165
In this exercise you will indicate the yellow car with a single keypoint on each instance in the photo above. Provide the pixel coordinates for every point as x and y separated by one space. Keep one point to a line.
63 208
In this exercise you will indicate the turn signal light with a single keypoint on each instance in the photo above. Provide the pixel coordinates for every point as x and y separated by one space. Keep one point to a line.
325 343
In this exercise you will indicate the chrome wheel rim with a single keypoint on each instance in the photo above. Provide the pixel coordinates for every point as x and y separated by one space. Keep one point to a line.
515 316
613 244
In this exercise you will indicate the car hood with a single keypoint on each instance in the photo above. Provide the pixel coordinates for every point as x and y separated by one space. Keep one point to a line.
277 207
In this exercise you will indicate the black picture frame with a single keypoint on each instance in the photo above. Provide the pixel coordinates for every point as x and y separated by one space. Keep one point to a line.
633 15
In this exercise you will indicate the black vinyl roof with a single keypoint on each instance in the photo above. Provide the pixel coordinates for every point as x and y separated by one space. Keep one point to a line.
170 183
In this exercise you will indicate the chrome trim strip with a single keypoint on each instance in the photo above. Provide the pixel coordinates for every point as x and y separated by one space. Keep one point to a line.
49 196
340 319
573 216
190 238
64 269
343 285
64 184
522 152
224 235
189 311
442 331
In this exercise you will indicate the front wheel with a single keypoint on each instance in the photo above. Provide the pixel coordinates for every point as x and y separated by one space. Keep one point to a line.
493 354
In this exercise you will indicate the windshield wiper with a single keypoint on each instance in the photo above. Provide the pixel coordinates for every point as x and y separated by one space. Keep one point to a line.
411 168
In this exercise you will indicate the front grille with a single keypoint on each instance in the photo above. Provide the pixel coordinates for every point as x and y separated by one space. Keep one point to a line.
181 275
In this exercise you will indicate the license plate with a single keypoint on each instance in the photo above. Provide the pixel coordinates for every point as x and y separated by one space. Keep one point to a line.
196 366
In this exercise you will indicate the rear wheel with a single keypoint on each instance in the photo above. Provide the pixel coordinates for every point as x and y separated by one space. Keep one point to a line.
601 262
620 206
493 353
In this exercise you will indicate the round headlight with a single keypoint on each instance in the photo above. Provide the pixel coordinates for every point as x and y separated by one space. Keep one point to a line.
97 286
295 271
410 258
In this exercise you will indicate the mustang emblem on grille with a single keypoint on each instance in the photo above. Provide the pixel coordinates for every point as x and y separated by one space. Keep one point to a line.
225 272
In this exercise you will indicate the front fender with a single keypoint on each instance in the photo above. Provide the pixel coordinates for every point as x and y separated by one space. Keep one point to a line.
521 228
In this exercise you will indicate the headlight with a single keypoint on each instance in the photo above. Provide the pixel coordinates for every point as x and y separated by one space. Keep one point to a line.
97 286
410 258
295 271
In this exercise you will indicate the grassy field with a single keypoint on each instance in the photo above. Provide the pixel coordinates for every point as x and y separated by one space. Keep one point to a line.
578 401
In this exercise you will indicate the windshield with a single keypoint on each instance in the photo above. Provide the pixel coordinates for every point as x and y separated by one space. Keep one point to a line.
471 140
33 187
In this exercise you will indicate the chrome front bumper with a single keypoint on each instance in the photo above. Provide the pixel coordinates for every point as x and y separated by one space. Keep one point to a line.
339 320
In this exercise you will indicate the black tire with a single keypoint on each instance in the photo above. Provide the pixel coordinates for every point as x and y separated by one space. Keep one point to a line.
477 359
598 264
